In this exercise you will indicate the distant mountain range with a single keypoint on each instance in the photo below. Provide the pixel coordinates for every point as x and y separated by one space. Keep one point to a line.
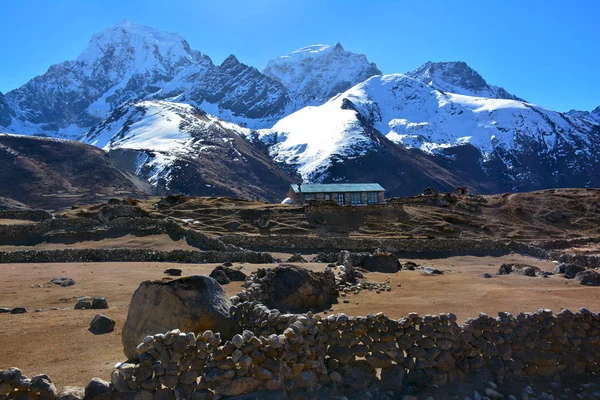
168 114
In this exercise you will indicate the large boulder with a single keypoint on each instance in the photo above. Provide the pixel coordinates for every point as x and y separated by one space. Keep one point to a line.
191 304
382 262
519 269
295 289
588 277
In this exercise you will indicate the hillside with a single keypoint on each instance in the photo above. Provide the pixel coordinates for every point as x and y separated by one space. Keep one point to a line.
53 173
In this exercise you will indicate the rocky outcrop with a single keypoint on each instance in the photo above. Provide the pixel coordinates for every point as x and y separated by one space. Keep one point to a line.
193 304
290 288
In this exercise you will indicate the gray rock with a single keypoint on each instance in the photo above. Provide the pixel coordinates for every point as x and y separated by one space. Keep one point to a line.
4 310
173 272
83 303
18 310
224 275
11 375
99 303
393 377
432 271
102 324
569 270
192 304
64 282
519 269
71 393
237 386
97 389
588 277
487 276
382 262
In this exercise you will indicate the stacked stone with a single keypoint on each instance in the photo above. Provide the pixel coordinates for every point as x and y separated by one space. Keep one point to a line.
168 363
14 385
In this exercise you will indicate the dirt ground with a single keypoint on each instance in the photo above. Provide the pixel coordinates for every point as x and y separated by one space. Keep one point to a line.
58 342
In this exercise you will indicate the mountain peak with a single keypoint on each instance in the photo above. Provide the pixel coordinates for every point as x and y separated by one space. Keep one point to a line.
127 39
319 71
458 77
230 61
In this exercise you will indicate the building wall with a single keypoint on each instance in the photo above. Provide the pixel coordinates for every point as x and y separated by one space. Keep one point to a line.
299 197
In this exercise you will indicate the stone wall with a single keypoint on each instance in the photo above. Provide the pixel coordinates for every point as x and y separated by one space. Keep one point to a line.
309 356
130 255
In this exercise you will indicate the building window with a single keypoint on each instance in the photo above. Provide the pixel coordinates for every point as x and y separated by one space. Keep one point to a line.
327 196
356 198
341 199
310 196
372 197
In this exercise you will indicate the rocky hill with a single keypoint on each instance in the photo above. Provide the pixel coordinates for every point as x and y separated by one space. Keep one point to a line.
54 173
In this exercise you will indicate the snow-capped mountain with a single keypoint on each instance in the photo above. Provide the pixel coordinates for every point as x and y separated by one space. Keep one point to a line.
318 72
131 62
522 145
170 115
459 78
180 148
593 116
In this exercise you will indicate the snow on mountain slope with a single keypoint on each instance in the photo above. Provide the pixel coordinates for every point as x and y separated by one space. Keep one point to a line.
593 116
414 115
233 91
180 148
318 72
131 62
459 78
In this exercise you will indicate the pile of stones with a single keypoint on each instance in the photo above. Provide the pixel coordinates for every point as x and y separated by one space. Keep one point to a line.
13 384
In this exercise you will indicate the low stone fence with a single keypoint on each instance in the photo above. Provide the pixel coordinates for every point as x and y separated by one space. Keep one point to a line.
28 215
309 356
130 255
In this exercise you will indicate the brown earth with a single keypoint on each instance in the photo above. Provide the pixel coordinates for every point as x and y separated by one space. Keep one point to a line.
58 342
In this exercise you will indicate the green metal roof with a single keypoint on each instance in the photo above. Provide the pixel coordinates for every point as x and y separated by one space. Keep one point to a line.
337 187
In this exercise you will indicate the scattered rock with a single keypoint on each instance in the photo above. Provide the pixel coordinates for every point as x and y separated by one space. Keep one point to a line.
83 303
99 303
192 304
18 310
588 277
4 310
410 265
432 271
64 282
102 324
224 275
519 269
173 272
487 276
569 270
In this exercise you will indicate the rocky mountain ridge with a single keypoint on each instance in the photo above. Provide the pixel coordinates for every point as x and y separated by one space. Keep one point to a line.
168 114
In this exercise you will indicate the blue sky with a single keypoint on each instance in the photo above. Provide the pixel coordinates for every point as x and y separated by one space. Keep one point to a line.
546 51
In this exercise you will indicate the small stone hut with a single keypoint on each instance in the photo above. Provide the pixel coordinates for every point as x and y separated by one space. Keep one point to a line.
354 194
